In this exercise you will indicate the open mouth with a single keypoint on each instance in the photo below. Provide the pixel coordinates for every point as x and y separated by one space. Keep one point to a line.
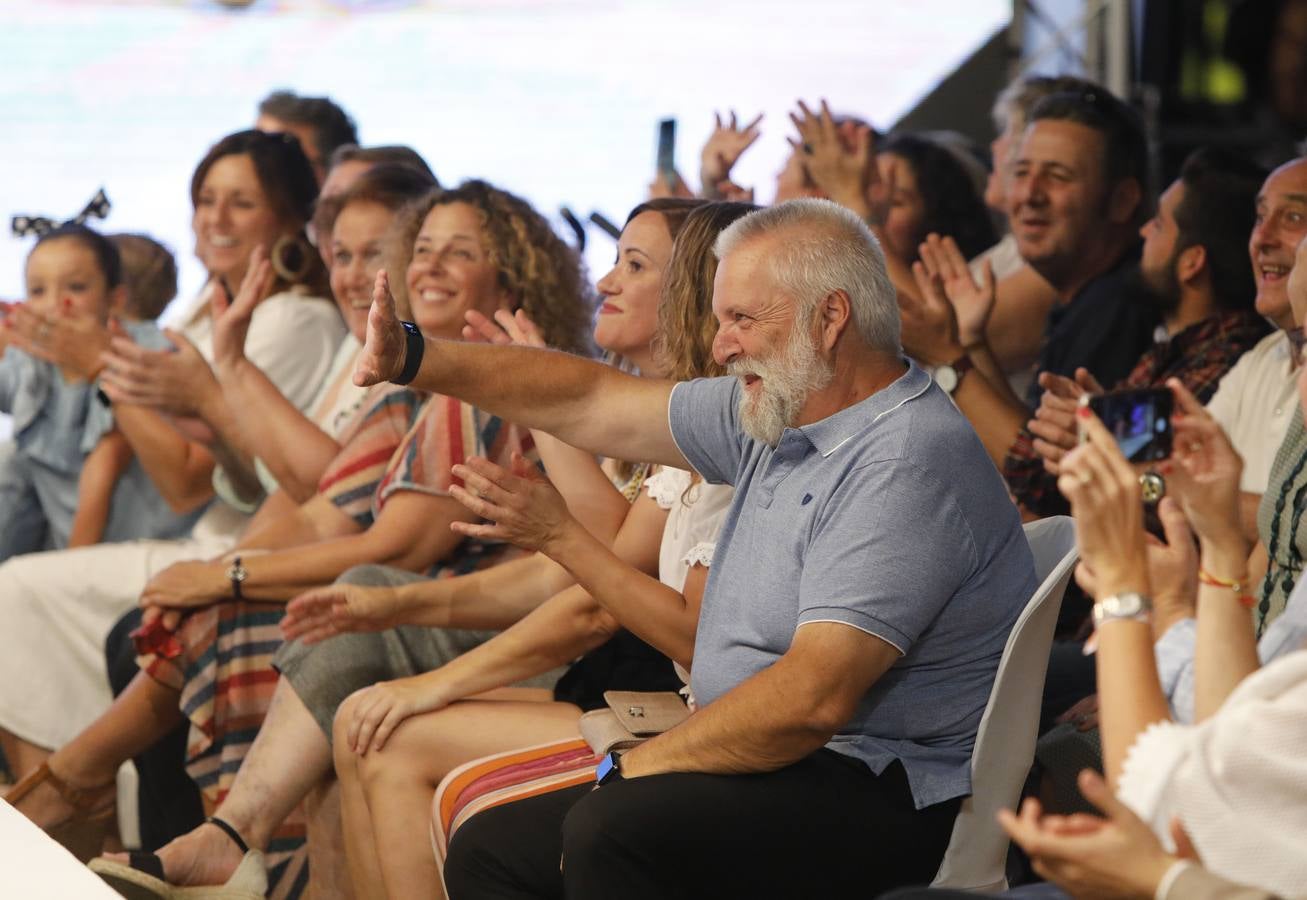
1269 272
432 295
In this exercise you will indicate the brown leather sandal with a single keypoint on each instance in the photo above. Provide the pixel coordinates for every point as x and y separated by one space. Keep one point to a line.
83 832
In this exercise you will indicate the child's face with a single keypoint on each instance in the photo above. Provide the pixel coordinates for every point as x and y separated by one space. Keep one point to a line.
64 275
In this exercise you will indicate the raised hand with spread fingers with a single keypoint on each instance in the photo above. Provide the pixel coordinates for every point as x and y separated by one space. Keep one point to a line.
722 151
842 166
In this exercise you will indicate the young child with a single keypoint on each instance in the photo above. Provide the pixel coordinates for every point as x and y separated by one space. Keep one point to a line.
149 274
72 272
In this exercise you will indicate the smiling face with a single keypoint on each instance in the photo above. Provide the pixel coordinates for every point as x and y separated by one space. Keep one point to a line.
356 253
451 272
1280 225
761 341
64 273
232 216
628 316
1056 195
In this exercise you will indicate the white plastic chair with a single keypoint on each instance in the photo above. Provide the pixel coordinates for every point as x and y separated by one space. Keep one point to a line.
976 858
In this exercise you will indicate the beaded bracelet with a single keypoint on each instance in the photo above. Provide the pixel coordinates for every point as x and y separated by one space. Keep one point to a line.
1207 578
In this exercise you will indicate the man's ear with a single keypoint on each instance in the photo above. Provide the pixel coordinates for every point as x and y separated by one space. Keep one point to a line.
1124 201
1191 263
836 312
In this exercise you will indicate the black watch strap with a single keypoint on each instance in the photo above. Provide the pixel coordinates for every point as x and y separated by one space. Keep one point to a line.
414 346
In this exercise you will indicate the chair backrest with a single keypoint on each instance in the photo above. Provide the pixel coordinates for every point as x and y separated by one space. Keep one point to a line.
976 857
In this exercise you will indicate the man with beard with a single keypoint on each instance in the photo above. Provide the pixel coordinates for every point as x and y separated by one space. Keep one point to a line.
1195 268
864 584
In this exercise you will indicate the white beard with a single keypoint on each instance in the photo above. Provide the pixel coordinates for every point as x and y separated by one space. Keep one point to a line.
788 377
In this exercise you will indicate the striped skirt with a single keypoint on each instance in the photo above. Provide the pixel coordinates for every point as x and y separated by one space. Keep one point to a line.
225 677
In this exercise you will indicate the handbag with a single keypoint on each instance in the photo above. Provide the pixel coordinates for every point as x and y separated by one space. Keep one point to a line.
632 717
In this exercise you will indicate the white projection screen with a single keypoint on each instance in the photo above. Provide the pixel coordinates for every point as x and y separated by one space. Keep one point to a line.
557 101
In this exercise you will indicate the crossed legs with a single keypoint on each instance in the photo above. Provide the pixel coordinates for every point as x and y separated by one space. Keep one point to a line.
386 795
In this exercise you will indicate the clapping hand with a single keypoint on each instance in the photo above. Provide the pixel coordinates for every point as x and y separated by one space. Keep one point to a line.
843 166
520 507
178 382
972 300
382 358
506 328
1204 474
721 152
1117 856
1054 424
232 315
929 322
70 340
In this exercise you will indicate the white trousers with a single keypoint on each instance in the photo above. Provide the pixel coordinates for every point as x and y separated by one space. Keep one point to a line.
56 610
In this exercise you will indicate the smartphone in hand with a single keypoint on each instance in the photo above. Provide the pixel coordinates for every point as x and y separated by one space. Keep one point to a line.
667 150
1140 420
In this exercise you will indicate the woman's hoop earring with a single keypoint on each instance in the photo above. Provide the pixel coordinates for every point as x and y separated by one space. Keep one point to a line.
291 258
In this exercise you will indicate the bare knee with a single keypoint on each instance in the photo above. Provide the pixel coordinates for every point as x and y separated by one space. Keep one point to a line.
341 749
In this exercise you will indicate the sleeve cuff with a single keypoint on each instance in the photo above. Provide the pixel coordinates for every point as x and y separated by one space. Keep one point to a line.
1169 879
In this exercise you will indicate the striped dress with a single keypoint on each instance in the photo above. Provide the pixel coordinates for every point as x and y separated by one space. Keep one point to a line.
224 671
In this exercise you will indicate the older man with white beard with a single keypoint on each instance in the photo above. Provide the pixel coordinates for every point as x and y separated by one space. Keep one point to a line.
864 584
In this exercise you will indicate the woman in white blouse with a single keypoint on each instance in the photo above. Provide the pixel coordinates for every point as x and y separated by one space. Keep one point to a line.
251 189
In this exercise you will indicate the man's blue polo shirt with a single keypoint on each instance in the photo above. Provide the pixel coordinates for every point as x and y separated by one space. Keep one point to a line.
888 517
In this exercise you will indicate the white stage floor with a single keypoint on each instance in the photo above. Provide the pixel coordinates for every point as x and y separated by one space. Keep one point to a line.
33 867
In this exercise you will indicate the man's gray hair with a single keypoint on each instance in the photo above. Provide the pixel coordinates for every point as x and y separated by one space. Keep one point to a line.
824 247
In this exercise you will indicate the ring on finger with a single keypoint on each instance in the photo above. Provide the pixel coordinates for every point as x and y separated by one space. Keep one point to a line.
1084 477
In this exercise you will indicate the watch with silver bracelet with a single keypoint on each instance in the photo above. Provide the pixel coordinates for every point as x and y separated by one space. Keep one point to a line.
1126 605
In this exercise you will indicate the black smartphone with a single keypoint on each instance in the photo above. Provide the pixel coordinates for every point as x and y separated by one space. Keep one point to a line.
605 225
667 149
1140 420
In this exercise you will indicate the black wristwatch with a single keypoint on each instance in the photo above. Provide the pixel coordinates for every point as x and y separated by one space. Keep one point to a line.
609 770
236 574
414 346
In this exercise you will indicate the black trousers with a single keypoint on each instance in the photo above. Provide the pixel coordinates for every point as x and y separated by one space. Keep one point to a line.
821 826
170 803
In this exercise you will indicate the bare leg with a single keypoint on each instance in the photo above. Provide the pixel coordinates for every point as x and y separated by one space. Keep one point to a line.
328 873
360 856
399 783
287 759
141 715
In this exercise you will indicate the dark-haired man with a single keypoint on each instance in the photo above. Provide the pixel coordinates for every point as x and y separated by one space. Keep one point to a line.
1076 199
318 122
1196 272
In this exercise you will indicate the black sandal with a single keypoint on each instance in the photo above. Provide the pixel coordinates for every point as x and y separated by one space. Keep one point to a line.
142 877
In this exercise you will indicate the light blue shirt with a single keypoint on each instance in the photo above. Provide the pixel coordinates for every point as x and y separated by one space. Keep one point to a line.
1174 651
56 424
888 517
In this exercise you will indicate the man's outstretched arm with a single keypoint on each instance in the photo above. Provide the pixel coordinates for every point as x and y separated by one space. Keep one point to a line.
585 403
